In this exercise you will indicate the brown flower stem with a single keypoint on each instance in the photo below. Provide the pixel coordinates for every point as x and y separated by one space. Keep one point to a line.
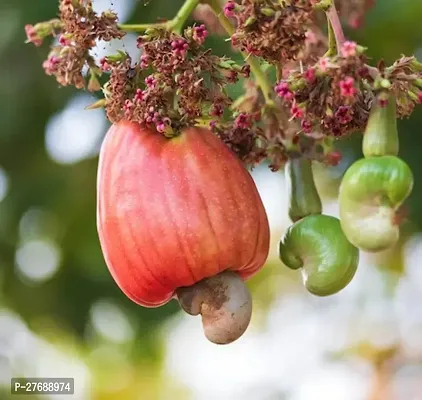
259 74
335 27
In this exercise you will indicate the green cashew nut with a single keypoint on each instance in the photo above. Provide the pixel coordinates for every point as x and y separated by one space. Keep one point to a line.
371 193
302 194
317 245
381 136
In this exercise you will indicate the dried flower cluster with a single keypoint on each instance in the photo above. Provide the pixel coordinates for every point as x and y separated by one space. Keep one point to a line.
404 78
175 83
334 96
80 27
330 96
273 30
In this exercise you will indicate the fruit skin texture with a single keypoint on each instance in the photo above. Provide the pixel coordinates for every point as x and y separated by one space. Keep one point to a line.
317 246
371 193
171 212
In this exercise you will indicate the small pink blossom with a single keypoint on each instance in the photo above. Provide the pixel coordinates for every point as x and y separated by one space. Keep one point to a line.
229 9
296 111
420 97
347 87
349 49
200 33
217 110
105 66
251 50
282 90
64 41
344 115
139 96
32 35
145 60
324 64
152 116
127 107
150 81
310 75
50 65
180 47
160 126
306 126
242 121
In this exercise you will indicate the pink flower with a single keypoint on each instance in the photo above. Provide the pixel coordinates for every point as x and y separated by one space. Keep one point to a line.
347 87
160 126
251 50
217 110
127 107
344 114
150 81
32 35
296 111
229 9
324 64
420 97
200 33
306 126
180 47
151 116
282 90
139 96
50 65
145 59
310 75
64 41
105 66
242 121
349 49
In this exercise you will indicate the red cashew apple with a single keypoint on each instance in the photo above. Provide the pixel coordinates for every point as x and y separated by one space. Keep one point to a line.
181 218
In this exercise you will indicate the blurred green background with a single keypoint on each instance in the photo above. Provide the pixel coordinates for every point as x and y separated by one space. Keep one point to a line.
62 315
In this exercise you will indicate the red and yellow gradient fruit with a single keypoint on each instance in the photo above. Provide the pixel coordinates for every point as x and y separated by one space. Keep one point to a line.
174 214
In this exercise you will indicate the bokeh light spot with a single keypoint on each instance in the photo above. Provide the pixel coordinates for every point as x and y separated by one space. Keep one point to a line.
75 134
38 260
110 321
